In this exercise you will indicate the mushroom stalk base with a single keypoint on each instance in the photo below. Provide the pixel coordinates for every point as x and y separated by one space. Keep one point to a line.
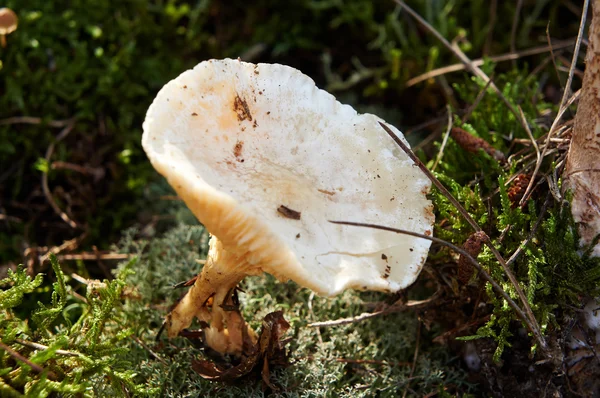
210 300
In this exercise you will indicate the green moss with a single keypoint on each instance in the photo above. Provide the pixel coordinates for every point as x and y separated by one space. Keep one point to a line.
79 355
552 270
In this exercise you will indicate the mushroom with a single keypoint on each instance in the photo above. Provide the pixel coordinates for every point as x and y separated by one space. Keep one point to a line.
264 159
8 24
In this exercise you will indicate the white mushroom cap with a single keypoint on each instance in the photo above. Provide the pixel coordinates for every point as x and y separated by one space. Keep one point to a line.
264 159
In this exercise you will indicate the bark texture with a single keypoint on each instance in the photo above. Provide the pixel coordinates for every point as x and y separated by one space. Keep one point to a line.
582 174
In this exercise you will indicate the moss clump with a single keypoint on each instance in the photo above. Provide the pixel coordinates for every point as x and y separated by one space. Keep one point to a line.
551 269
76 346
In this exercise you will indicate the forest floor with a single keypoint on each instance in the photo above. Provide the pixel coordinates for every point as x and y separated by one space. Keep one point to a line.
103 239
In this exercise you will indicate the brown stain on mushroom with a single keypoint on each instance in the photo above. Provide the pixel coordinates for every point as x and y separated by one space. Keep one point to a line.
289 213
224 118
237 150
429 213
240 106
330 193
387 272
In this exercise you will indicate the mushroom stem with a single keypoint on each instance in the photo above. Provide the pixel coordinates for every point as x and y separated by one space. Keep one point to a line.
218 279
3 41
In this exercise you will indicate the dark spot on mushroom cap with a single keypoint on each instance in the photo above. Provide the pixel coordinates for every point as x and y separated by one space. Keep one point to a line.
237 150
289 213
326 192
383 257
298 236
429 212
240 106
194 114
386 274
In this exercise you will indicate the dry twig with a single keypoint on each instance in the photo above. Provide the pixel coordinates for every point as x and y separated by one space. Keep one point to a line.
94 256
565 101
63 134
150 351
480 61
70 244
37 368
7 218
371 362
445 140
523 244
39 346
537 154
96 172
546 151
34 120
411 304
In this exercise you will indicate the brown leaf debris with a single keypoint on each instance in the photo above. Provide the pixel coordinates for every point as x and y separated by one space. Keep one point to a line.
268 350
473 144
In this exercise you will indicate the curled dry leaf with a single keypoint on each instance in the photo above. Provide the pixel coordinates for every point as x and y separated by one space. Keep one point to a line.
268 350
517 189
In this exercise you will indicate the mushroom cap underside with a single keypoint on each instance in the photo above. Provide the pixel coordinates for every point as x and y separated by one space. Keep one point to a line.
265 159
